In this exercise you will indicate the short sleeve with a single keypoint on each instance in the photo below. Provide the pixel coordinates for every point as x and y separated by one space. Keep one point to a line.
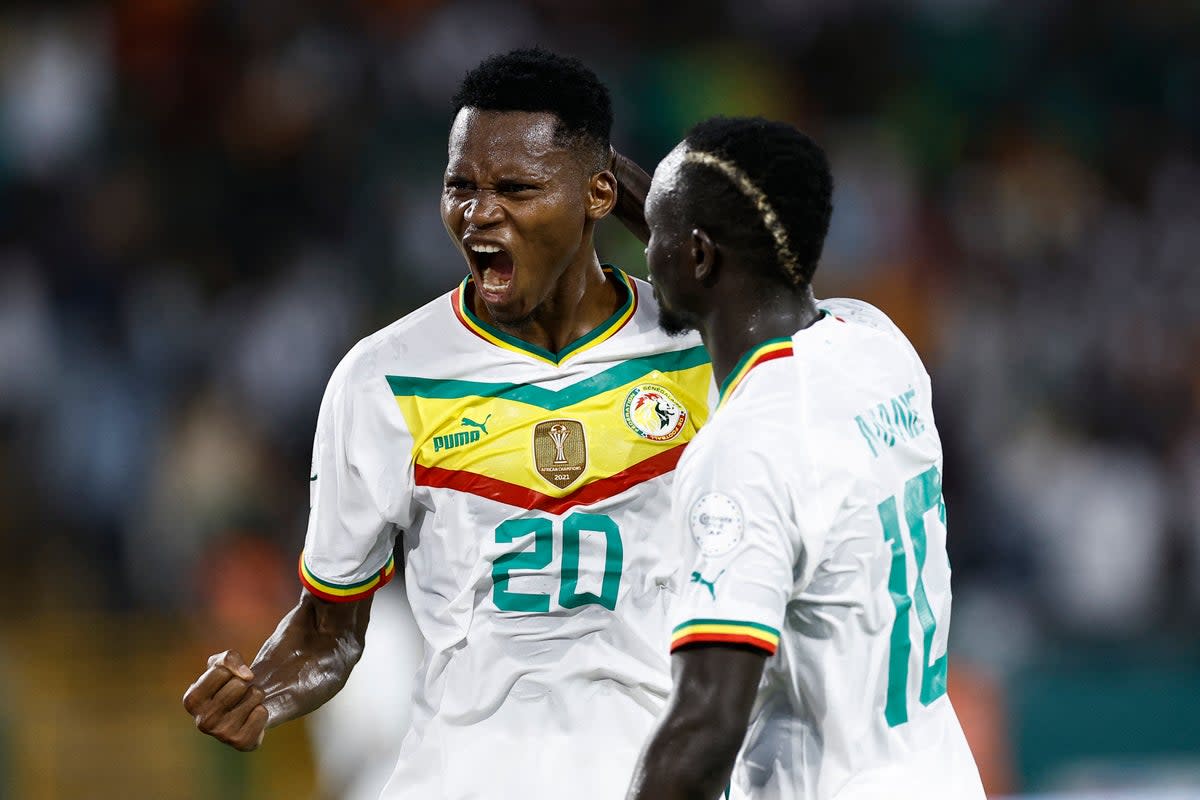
360 486
734 506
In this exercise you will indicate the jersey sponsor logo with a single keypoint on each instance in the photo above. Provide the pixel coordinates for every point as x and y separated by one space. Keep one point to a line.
449 441
560 451
716 523
457 439
473 424
889 422
653 413
707 584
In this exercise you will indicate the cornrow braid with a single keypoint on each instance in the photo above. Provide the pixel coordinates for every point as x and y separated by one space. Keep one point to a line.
783 251
763 188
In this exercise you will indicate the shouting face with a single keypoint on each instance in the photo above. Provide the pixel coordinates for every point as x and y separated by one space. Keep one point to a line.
520 204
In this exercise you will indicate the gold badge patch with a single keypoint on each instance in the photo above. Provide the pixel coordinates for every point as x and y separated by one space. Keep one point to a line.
560 451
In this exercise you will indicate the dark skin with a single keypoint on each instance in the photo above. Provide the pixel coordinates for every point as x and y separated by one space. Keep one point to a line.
691 753
735 305
304 663
633 184
711 288
510 185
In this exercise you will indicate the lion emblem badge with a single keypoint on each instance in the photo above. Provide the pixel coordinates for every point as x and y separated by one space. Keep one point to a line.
653 413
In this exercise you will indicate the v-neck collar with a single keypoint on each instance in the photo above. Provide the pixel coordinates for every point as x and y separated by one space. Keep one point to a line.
601 333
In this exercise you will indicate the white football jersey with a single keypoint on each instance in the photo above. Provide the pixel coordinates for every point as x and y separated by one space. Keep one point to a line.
531 488
814 505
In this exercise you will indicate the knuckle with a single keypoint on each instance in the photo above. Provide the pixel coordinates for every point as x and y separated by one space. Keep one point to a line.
226 658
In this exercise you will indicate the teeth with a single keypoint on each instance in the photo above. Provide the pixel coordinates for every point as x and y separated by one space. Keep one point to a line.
485 248
496 287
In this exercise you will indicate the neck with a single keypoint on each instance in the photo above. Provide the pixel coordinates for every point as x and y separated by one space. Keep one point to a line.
751 317
581 300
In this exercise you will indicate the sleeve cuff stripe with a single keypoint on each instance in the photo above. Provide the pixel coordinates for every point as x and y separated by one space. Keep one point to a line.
725 638
756 627
719 630
341 593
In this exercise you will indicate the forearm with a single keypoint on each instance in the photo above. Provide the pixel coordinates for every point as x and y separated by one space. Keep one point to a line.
686 759
633 184
309 657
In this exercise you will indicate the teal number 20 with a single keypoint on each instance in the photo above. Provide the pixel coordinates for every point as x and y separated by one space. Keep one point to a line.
542 554
921 494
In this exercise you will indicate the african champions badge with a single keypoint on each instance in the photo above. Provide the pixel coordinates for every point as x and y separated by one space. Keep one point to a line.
560 451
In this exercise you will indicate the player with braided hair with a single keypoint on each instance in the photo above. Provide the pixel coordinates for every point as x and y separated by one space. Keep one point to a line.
809 648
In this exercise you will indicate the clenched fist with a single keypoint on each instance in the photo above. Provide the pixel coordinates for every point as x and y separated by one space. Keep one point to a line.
226 704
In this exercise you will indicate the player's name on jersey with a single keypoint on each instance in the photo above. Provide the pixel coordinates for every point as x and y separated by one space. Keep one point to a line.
889 422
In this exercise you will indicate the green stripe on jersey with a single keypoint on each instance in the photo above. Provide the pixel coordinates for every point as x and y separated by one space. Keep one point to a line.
733 622
550 399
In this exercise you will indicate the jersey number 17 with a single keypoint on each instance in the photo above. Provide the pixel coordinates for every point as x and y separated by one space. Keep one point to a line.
922 494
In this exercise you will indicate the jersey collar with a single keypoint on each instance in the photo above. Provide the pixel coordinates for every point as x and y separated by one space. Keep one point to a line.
600 333
767 351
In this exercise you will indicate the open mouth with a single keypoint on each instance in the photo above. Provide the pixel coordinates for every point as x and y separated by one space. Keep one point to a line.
494 268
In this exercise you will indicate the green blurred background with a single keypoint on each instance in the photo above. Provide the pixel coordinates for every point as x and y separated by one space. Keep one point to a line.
203 205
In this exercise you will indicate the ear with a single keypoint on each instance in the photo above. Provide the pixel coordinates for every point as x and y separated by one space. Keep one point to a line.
704 257
602 195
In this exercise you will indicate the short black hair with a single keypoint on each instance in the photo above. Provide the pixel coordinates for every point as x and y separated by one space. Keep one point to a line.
533 79
789 169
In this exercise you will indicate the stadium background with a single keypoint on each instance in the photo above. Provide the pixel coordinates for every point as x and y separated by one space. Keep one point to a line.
204 204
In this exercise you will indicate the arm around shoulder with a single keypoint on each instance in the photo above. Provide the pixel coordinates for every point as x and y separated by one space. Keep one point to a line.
633 184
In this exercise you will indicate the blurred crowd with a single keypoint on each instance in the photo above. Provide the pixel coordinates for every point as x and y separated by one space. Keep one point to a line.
204 204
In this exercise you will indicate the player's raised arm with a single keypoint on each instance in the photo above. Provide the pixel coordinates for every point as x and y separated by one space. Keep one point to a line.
302 664
633 183
692 751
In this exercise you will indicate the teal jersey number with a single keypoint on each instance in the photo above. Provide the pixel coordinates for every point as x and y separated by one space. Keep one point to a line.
922 494
542 554
537 558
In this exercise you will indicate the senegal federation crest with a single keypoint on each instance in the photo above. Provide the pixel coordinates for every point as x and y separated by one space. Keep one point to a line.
654 413
560 451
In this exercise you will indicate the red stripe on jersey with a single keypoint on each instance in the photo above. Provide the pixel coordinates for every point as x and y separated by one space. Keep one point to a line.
725 638
522 497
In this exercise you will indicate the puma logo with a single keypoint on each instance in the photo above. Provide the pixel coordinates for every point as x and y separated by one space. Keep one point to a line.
710 585
473 424
451 440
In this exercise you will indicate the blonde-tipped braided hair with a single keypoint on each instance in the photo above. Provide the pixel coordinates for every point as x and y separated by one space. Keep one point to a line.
783 251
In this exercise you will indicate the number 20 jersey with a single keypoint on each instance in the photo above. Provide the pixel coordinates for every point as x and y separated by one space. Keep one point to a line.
531 488
813 502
